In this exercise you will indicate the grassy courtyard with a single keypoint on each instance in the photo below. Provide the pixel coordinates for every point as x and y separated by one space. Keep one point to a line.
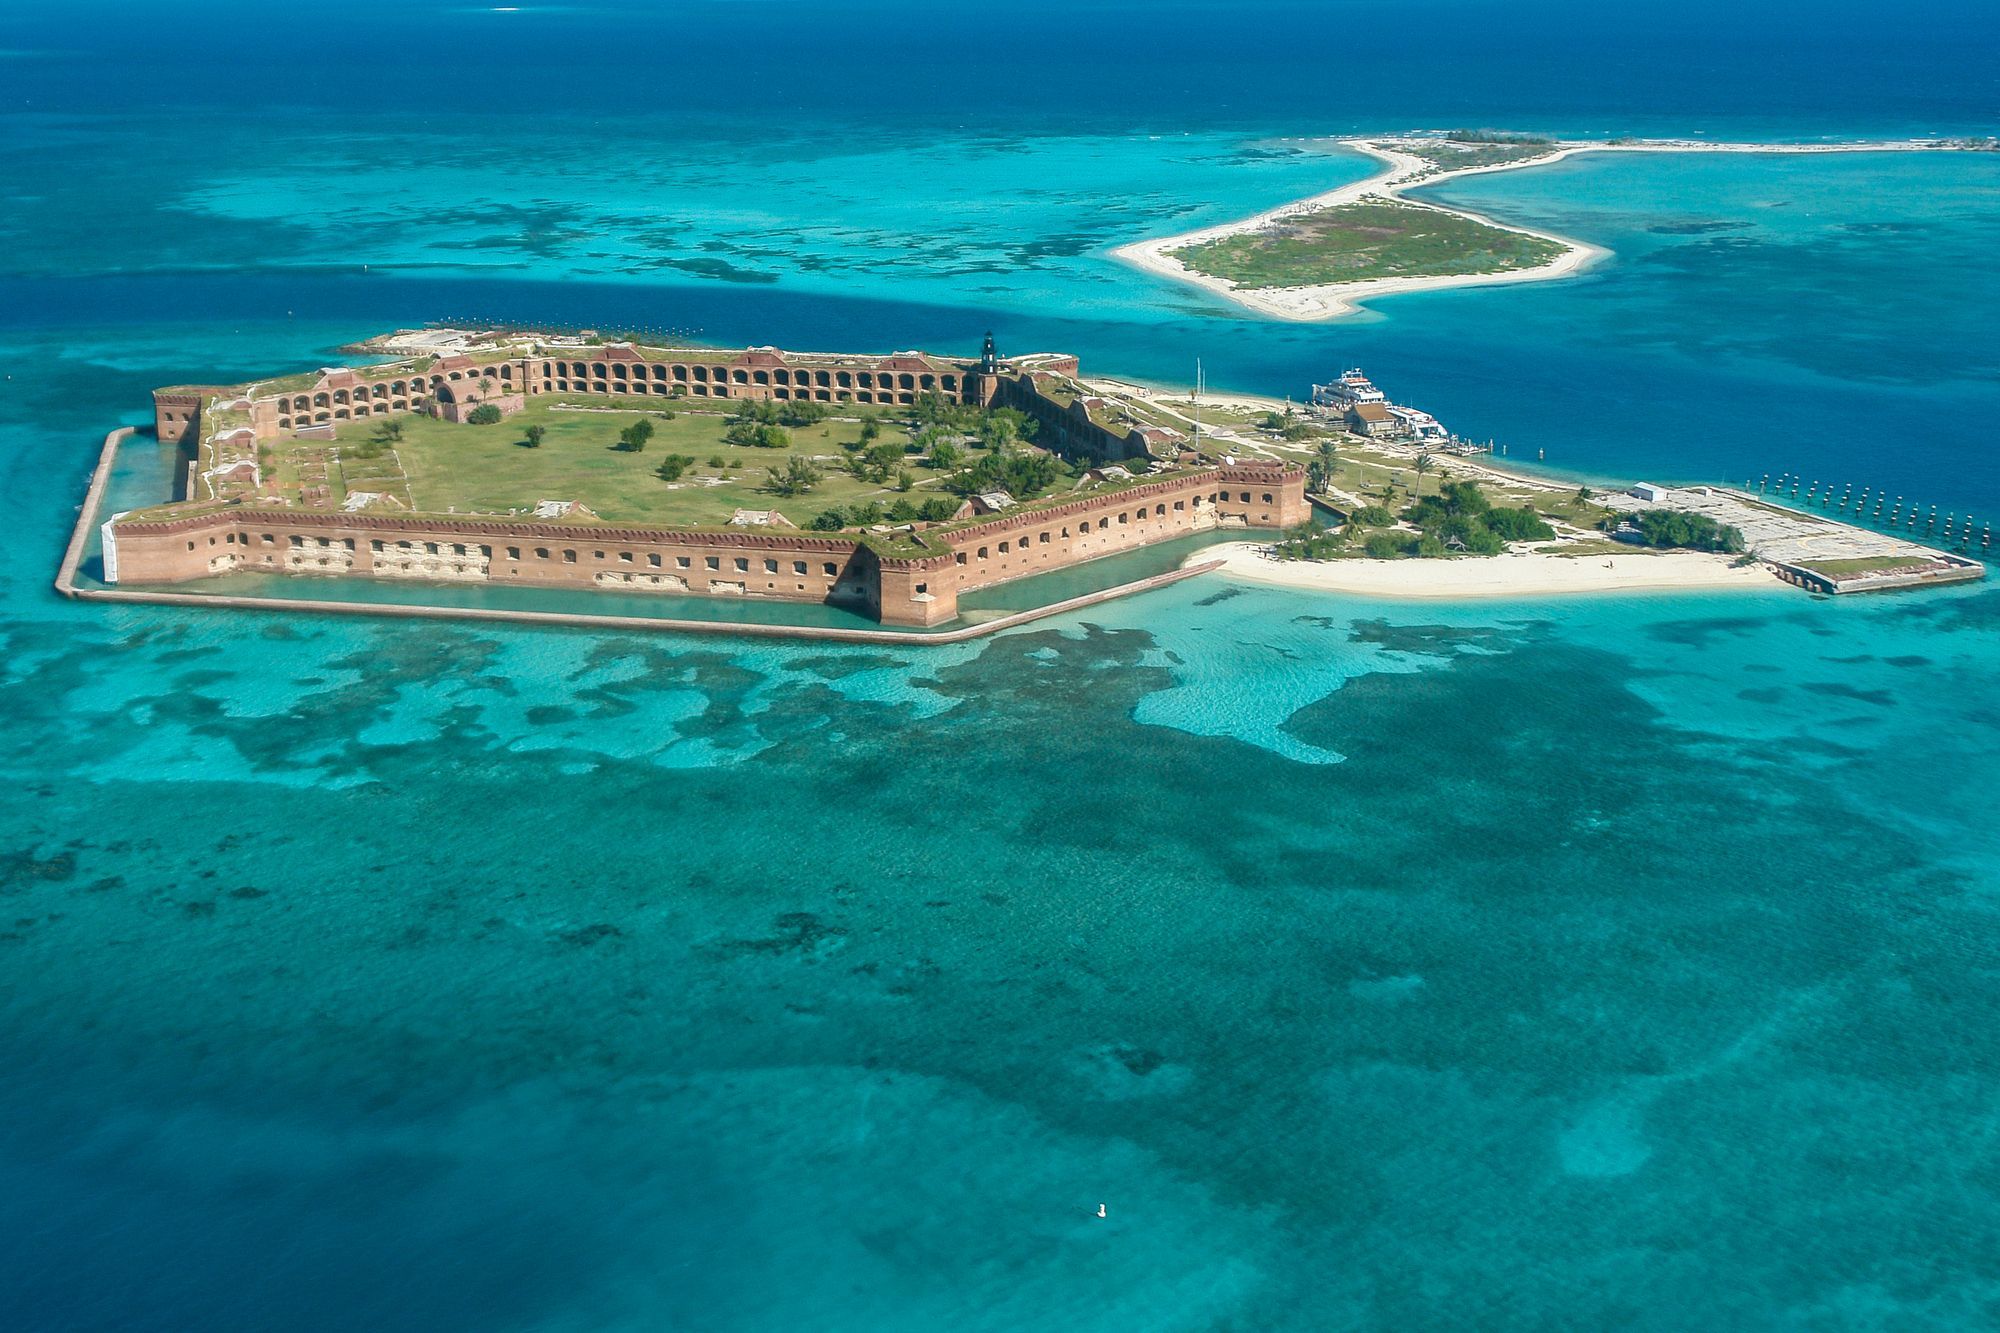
447 468
1363 241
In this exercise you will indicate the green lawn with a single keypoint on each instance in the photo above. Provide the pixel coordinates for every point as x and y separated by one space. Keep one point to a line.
488 469
1867 564
1365 472
1362 241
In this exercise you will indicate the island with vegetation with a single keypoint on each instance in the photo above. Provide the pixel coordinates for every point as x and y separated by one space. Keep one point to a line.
1320 258
1367 241
1396 516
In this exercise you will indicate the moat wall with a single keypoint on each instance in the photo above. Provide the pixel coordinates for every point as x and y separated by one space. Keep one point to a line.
920 589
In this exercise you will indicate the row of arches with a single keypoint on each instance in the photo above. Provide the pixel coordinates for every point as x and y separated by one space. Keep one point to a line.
580 374
397 392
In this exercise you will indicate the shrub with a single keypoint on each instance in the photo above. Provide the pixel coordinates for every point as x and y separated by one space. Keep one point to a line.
1386 545
1519 525
1372 516
747 435
937 509
486 414
1310 542
673 467
800 412
1690 531
829 520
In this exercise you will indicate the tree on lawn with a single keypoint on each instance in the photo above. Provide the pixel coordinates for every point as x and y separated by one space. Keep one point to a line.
673 467
796 478
1003 426
534 436
878 462
1423 464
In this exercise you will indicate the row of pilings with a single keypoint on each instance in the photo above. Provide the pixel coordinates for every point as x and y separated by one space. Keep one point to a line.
1872 507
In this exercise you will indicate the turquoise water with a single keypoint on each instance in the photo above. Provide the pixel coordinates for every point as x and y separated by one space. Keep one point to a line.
1624 962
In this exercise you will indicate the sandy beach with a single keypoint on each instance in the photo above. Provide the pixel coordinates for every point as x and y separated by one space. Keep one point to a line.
1404 171
1522 574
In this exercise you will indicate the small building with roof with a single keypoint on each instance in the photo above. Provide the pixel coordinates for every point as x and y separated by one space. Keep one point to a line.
1373 419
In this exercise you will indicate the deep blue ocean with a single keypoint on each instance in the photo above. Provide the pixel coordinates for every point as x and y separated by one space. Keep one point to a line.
1625 962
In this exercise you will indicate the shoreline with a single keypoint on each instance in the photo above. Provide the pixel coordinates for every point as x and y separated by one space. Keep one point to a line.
1514 574
1402 172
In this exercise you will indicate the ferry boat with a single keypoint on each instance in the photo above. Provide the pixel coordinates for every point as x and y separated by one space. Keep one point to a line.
1350 389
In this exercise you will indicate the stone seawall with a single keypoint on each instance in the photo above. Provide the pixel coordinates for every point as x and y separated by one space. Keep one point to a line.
93 496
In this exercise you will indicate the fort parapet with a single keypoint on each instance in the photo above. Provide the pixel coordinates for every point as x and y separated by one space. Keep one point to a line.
911 575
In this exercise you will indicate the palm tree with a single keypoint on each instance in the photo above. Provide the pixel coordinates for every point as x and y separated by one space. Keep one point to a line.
1424 464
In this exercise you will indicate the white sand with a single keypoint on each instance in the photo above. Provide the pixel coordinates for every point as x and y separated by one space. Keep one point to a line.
1403 171
1523 574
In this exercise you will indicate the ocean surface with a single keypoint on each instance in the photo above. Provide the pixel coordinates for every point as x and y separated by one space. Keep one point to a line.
1626 962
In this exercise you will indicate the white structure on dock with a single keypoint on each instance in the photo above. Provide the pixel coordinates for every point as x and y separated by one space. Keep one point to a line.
1420 426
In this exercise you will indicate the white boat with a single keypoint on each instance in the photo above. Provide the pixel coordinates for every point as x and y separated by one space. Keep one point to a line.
1351 388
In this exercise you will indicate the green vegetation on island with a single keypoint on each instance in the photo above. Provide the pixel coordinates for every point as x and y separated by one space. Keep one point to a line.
1459 520
1364 241
1860 564
818 466
1678 529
